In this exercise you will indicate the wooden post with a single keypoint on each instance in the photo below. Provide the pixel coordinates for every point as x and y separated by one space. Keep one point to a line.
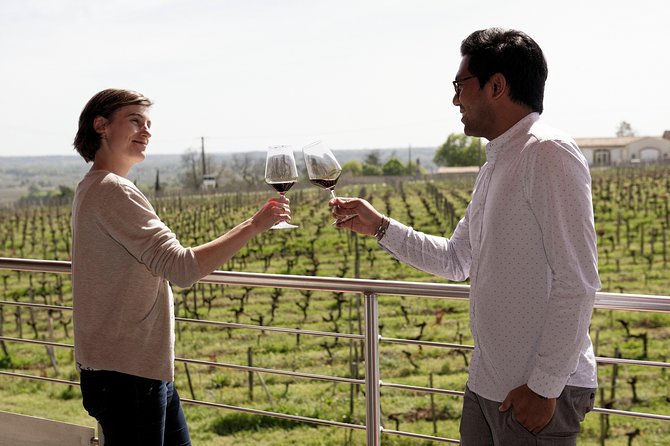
250 374
190 384
432 405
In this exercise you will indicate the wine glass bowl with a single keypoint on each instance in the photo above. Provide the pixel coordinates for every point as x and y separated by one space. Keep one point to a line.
281 174
322 166
323 169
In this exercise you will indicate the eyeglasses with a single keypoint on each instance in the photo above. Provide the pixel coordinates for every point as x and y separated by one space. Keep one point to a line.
457 84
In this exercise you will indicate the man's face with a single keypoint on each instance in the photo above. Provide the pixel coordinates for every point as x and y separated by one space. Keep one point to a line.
470 98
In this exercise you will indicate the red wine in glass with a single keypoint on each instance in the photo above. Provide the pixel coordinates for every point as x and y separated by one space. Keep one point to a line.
282 186
325 183
281 173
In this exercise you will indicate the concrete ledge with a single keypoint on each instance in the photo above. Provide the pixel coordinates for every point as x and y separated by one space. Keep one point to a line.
24 430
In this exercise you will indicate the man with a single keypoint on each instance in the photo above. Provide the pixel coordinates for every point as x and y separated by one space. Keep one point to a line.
528 245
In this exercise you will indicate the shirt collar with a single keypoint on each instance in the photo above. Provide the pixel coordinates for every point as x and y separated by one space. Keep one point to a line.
496 146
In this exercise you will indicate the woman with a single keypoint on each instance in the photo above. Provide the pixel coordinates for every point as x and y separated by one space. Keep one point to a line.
123 260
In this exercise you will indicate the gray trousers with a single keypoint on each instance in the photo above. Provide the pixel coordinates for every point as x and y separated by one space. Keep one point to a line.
482 424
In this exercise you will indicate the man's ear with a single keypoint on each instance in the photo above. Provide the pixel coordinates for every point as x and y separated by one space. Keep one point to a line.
99 125
498 84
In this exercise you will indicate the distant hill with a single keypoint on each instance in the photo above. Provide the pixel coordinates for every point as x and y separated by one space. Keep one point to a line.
19 175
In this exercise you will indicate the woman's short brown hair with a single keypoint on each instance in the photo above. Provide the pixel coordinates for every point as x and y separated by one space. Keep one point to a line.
104 103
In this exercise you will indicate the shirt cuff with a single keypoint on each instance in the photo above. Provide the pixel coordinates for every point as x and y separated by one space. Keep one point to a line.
395 232
546 385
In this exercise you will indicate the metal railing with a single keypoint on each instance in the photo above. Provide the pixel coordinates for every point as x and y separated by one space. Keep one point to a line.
371 338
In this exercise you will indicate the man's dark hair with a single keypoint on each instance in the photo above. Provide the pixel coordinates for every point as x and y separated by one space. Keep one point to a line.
104 103
513 54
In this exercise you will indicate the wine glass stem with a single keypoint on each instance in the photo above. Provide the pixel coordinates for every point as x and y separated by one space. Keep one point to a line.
332 193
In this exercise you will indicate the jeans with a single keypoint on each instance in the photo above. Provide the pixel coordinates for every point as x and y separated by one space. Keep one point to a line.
483 425
133 410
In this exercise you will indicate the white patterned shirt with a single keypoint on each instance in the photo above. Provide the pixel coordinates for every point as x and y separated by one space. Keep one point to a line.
527 242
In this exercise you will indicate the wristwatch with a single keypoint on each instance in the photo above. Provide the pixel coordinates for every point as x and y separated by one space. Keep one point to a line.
383 226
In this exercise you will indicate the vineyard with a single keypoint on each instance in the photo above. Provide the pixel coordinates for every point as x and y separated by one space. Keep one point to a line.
632 224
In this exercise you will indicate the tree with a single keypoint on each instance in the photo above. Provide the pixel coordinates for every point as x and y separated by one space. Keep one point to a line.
65 192
624 129
371 169
372 159
355 167
394 167
415 168
459 150
189 169
191 175
249 168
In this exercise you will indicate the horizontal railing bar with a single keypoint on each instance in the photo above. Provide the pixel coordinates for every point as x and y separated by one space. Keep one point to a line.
334 423
317 376
36 305
422 389
208 322
632 302
612 301
461 394
425 343
421 436
276 329
274 414
36 265
626 413
599 359
607 360
272 371
214 364
40 378
35 341
315 283
336 284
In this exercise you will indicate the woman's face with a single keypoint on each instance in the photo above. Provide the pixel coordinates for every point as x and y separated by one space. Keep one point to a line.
126 133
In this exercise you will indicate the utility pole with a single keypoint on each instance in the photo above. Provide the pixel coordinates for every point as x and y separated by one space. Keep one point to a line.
409 157
202 156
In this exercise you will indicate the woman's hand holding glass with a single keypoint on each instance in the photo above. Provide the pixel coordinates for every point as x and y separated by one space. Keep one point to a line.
275 210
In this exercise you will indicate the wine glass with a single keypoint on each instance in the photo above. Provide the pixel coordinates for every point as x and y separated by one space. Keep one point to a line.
323 169
281 173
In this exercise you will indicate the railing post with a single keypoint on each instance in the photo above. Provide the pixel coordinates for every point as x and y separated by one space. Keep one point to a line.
372 397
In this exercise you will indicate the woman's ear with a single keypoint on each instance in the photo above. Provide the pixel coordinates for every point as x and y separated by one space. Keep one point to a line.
99 125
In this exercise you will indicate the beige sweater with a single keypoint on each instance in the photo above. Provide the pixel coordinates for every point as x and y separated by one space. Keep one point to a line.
122 259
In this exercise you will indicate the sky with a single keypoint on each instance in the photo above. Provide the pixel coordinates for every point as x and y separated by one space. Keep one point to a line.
358 74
